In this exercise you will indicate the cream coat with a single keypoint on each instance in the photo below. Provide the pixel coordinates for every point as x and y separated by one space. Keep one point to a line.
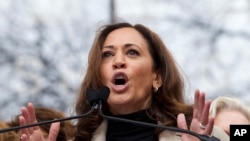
100 134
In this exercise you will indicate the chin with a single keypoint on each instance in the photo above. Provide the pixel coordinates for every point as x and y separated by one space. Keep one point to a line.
118 102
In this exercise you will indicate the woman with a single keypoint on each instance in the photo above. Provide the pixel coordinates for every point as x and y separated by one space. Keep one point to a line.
232 108
145 84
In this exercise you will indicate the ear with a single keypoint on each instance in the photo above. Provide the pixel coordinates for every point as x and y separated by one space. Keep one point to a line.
157 81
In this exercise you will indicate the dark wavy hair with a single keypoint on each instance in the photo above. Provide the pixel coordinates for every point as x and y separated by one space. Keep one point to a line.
166 104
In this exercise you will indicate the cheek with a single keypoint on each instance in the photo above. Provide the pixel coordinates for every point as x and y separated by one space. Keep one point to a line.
143 71
222 123
104 73
143 79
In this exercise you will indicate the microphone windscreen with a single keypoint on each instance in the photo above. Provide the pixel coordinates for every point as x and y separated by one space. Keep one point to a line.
91 96
103 94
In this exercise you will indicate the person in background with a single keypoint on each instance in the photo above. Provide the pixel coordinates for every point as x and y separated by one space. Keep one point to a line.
7 136
227 111
66 131
145 84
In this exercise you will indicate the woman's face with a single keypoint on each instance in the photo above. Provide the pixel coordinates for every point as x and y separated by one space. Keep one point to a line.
226 117
127 69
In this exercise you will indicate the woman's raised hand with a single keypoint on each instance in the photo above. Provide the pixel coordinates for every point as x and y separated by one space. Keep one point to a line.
200 123
34 133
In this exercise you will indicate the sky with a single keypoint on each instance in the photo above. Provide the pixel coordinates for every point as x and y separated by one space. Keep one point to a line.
44 46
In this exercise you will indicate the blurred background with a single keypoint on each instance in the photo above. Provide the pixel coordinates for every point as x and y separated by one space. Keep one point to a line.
44 45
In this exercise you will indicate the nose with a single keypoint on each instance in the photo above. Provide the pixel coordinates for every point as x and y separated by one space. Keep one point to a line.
119 62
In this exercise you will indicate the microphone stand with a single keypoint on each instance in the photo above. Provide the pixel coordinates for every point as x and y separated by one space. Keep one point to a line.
201 137
94 107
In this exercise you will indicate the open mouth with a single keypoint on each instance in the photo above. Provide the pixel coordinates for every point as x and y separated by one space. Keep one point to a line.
119 79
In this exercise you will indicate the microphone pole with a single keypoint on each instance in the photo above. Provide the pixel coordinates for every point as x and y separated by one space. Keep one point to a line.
91 96
201 137
50 121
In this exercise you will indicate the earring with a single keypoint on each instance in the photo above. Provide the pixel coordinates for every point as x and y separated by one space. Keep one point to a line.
156 89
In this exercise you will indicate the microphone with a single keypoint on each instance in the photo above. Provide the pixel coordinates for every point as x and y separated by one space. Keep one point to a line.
175 129
92 96
103 94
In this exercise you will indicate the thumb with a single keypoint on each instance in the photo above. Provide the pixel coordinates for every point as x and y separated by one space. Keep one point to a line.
181 121
53 132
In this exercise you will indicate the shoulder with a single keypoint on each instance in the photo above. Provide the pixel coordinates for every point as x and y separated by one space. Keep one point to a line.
172 136
219 133
169 136
100 132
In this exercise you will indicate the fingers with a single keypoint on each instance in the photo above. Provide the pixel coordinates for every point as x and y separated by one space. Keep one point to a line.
32 115
201 103
196 103
23 137
201 122
36 136
209 127
22 122
26 118
181 121
29 115
53 132
205 113
200 97
201 108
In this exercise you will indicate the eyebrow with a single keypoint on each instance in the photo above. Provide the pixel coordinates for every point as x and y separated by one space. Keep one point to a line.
127 45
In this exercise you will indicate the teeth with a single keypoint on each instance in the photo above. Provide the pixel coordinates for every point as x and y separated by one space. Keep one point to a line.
120 80
120 77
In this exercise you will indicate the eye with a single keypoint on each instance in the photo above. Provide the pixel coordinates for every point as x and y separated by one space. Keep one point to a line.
107 54
133 52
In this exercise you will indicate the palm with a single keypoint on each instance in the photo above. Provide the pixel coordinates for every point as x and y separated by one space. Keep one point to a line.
34 133
200 116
